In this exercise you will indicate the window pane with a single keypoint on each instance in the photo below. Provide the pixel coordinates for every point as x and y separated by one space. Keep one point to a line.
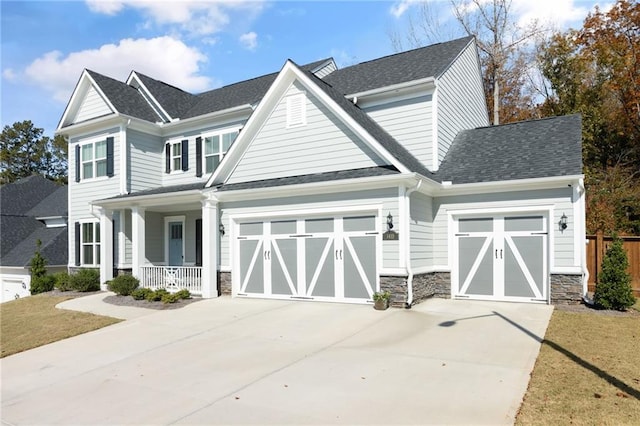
227 140
97 254
87 254
177 164
211 145
176 149
101 168
87 232
101 149
87 170
97 232
212 163
87 152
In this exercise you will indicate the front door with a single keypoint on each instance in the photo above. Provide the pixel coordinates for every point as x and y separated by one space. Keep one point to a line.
176 256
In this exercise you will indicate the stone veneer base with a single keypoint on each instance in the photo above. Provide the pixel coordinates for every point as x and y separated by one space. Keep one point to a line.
566 289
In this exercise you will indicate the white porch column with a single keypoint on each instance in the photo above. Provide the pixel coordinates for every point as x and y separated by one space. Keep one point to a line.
210 247
138 250
106 247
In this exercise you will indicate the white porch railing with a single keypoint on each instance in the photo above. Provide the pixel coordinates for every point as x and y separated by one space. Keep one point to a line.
172 278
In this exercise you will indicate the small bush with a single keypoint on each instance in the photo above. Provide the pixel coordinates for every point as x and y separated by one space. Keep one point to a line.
170 298
183 294
85 280
123 285
141 293
156 296
63 282
42 284
613 290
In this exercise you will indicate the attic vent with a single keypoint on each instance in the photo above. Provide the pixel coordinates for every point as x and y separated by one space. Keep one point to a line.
296 110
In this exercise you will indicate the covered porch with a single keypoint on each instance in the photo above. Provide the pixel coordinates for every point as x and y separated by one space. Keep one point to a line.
167 238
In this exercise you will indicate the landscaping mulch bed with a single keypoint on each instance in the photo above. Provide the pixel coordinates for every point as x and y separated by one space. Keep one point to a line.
130 301
582 308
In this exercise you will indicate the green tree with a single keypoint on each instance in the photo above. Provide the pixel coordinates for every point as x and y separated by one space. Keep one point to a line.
613 290
40 281
24 151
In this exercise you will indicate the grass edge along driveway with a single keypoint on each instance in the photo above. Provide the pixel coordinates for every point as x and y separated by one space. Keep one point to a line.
587 372
34 321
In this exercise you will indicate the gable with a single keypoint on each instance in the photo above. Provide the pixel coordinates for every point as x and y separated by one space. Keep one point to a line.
294 142
91 106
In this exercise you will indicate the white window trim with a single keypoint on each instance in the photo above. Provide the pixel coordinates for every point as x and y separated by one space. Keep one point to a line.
299 119
91 141
172 157
220 153
168 219
97 247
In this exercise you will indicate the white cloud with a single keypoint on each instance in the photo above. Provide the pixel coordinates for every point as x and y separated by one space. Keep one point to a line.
560 13
400 7
249 40
9 74
163 58
192 17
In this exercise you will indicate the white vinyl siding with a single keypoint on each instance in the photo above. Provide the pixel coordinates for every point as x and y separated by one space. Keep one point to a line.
146 165
559 198
92 106
324 144
386 199
409 121
421 229
460 100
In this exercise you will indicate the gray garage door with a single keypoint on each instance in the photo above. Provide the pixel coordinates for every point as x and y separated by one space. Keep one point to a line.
320 258
502 258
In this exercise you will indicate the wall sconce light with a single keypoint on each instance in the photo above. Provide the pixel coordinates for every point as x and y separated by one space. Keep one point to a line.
221 229
563 222
389 222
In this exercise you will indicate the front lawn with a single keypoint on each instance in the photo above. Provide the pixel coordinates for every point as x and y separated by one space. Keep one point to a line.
34 321
587 373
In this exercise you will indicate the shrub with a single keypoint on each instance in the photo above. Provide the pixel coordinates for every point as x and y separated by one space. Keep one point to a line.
613 290
156 296
141 293
183 294
42 284
170 298
85 280
123 285
38 264
63 282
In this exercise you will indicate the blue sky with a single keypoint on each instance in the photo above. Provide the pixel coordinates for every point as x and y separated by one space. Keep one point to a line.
199 45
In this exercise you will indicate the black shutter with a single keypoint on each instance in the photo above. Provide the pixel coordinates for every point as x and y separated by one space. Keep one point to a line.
110 156
77 243
198 242
185 155
78 159
198 156
167 154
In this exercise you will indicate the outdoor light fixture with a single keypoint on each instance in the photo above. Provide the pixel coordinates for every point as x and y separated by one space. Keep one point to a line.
221 228
389 222
563 222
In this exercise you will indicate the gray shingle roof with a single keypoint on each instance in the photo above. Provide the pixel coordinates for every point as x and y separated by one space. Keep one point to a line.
311 178
524 150
21 203
125 99
176 102
429 61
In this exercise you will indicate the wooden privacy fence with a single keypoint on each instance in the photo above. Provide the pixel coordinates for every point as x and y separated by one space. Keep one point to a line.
597 247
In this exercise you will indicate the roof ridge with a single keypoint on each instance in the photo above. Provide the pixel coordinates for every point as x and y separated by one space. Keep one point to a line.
523 121
163 83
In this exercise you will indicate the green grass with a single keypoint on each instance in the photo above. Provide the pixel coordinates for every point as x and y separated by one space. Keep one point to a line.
587 373
34 321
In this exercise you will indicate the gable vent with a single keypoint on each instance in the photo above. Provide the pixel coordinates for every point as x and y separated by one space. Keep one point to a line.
296 110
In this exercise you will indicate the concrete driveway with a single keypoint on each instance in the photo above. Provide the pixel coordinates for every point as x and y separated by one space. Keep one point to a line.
230 361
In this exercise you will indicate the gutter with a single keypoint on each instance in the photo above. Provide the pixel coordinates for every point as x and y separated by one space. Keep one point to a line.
407 195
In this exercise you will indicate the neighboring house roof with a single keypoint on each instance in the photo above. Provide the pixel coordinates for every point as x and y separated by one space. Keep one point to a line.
416 64
124 98
21 203
522 150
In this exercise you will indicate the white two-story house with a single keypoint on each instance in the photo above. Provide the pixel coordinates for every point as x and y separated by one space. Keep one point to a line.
327 184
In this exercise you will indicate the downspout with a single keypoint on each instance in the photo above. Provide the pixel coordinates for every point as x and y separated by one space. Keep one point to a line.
583 233
407 251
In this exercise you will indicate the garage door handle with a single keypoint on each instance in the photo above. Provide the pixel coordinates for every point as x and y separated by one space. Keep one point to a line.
500 253
340 252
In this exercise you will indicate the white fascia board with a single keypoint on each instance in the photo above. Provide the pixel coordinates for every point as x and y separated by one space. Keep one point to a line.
325 187
167 198
83 85
231 114
155 105
107 121
395 89
508 185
